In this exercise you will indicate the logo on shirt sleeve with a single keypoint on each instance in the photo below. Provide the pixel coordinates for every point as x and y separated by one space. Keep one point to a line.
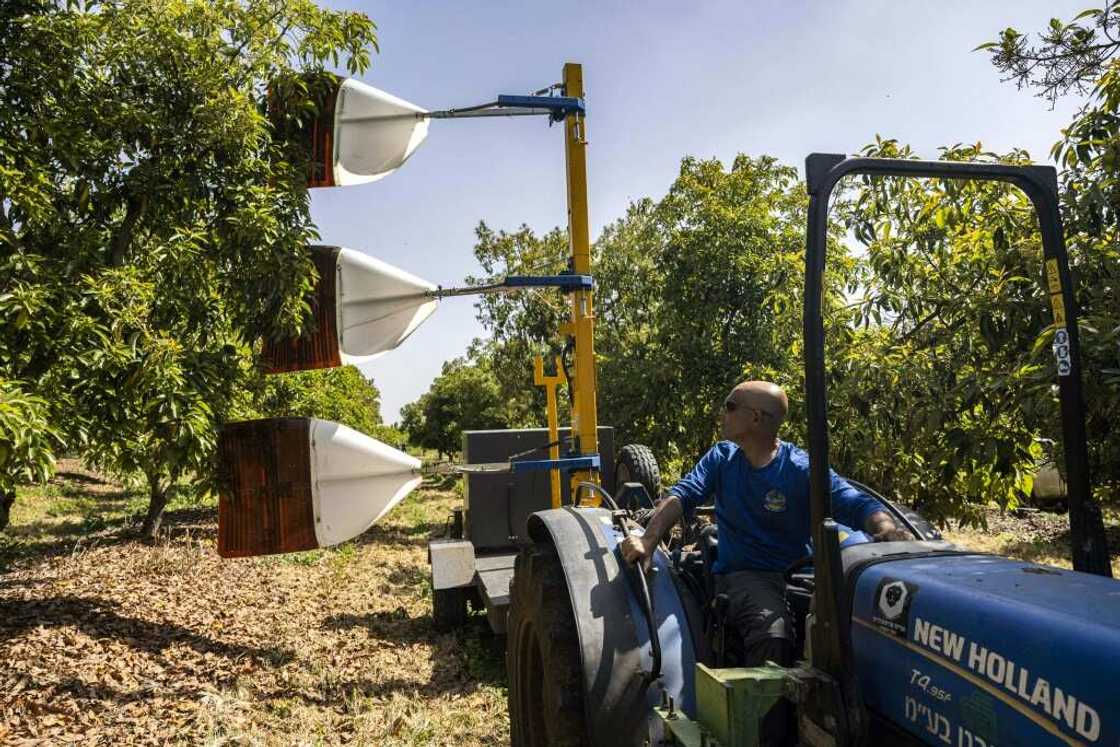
775 501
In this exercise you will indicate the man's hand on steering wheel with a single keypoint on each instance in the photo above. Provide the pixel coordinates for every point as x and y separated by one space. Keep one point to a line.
882 528
893 535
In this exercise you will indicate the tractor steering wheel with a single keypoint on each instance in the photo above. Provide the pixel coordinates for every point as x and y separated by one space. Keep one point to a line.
802 581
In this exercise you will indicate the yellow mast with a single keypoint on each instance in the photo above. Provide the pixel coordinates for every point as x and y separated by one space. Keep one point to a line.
585 419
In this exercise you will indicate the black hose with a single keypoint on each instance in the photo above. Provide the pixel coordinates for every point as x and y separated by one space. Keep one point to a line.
598 489
527 452
654 641
644 599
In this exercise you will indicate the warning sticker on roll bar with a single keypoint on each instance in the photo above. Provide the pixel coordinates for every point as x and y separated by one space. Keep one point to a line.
1061 351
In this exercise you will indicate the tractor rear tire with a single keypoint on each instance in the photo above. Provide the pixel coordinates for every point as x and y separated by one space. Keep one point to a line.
546 705
449 608
636 463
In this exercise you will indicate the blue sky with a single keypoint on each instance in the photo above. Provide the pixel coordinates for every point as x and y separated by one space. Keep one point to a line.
663 80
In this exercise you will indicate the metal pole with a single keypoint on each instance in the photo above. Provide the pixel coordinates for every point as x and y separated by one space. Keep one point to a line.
585 419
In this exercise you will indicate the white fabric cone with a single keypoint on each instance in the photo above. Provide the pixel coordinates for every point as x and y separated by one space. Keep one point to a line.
355 480
375 133
378 306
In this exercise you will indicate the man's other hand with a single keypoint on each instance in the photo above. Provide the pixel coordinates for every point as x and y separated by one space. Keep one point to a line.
892 534
634 548
882 528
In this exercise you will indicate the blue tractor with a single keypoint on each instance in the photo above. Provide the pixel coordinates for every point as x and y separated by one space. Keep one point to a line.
916 642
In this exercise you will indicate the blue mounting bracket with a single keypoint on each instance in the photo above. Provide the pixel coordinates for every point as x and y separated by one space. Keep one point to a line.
564 465
558 106
568 282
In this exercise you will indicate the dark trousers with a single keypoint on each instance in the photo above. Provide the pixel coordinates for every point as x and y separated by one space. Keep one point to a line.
758 613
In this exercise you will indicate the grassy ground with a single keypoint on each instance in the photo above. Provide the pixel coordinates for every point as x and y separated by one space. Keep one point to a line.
104 640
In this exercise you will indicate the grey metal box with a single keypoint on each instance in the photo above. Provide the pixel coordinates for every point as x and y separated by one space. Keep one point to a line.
452 563
498 505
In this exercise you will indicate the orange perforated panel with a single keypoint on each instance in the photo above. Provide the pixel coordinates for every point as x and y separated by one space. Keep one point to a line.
265 503
320 134
310 132
319 348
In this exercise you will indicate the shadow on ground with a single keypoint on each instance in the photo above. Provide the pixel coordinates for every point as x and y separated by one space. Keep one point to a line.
391 535
462 660
442 482
99 619
79 477
42 539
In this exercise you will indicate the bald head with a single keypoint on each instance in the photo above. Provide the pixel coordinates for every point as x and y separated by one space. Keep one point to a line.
755 407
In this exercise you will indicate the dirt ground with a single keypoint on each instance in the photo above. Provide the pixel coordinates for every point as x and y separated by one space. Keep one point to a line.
1035 535
104 640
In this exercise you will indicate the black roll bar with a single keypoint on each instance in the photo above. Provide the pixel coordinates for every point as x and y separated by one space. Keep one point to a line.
831 648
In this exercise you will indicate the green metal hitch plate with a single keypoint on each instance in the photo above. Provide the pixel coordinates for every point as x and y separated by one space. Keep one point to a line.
730 703
683 731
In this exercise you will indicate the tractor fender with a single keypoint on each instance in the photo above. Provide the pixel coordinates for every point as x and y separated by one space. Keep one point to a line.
611 625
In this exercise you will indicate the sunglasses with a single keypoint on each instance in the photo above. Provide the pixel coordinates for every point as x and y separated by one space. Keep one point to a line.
731 405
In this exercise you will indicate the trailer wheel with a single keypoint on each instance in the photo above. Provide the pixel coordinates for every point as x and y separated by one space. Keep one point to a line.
449 608
542 657
636 463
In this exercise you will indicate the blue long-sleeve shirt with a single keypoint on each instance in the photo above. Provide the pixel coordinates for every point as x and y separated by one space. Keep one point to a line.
763 514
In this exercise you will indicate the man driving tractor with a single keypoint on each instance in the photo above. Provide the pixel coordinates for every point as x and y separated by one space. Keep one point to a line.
761 489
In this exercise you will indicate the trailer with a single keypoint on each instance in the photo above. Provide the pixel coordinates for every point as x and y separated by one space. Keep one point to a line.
472 563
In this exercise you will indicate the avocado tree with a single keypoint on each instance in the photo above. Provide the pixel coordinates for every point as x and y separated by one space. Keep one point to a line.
938 341
152 228
343 395
1074 58
26 443
520 325
465 396
723 255
944 380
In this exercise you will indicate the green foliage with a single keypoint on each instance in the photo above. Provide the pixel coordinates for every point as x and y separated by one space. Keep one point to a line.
27 441
938 335
940 391
391 435
1068 57
342 394
1073 57
720 261
151 226
465 396
521 325
26 438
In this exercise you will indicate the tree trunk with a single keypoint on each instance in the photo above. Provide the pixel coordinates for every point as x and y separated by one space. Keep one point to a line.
7 498
157 501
